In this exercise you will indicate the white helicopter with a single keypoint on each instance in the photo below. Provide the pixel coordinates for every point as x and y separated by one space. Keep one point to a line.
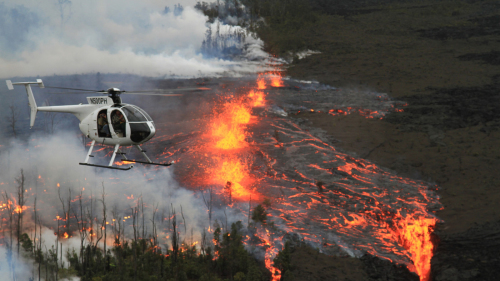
107 120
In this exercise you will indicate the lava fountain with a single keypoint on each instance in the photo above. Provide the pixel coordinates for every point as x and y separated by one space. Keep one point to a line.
328 199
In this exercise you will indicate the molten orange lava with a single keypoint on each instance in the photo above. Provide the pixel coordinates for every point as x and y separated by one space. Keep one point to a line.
227 127
257 98
261 84
271 253
415 236
233 174
276 81
230 136
228 133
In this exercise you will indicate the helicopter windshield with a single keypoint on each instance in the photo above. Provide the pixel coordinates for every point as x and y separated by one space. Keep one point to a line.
134 114
144 113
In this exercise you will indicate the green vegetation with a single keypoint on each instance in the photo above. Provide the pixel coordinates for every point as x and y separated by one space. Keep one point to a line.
401 48
283 262
143 260
259 214
276 22
282 21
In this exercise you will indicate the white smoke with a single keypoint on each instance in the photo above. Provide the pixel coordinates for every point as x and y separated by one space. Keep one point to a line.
50 166
150 38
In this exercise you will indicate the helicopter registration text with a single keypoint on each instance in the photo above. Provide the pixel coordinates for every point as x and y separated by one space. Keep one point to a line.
100 100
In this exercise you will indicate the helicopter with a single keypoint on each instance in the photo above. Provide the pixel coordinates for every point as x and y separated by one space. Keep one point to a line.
106 120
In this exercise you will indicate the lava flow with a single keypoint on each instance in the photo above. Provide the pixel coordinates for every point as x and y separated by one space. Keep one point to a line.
245 150
328 199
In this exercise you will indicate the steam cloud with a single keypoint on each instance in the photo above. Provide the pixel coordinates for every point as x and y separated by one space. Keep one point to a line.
150 38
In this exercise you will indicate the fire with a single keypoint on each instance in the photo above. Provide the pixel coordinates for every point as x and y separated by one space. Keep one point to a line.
227 127
232 174
276 81
415 236
66 235
257 98
368 209
19 210
231 136
271 253
228 133
261 84
120 163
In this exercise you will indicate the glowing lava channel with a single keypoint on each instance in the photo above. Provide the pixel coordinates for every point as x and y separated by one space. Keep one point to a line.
359 208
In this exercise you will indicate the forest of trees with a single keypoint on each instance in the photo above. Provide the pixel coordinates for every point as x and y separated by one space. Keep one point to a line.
220 254
275 22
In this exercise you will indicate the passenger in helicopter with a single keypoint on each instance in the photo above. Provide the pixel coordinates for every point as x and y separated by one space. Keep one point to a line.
118 121
103 126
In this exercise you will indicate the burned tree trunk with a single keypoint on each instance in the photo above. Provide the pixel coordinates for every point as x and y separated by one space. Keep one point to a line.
20 207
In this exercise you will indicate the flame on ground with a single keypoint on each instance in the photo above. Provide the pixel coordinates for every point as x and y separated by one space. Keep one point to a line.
415 236
257 98
227 128
234 176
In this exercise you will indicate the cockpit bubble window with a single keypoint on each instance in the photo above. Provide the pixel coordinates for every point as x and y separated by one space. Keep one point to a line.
134 114
144 113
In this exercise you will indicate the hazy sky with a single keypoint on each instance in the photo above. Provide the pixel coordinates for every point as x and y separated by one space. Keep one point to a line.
113 36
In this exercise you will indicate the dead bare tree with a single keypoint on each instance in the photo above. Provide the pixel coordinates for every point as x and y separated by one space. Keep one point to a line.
185 229
104 218
35 218
12 119
51 121
226 229
90 219
11 217
203 242
66 210
19 209
82 225
142 213
209 203
57 245
39 251
117 226
175 236
249 208
134 245
155 235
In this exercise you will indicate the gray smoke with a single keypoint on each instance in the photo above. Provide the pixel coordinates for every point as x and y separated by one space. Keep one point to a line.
151 38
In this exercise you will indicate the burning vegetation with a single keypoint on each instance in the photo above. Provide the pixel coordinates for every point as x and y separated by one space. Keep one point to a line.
259 180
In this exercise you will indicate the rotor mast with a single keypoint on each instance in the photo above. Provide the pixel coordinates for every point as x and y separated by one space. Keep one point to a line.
114 94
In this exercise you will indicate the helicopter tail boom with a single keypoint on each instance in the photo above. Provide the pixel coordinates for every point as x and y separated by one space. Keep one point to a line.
31 98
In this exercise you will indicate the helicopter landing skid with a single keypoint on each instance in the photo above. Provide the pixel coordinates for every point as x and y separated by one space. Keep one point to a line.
107 167
110 166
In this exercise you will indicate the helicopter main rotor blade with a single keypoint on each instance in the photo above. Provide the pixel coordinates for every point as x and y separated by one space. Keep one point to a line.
64 93
169 90
75 89
152 94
